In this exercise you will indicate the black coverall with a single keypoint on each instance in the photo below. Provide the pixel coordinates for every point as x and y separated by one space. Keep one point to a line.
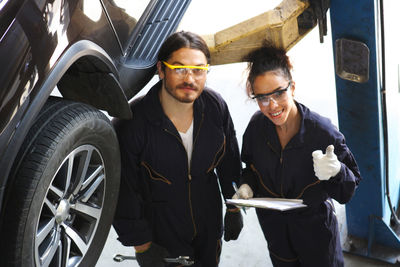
308 236
164 199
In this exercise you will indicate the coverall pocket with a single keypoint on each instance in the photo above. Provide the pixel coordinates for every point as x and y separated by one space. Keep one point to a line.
160 188
153 174
218 155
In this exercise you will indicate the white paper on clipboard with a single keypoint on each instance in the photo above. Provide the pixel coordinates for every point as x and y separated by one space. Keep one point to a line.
281 204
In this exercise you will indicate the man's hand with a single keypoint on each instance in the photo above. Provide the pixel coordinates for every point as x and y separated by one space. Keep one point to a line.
233 224
243 192
326 166
153 256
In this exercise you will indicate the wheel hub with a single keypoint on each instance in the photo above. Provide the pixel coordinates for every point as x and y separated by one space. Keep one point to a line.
62 211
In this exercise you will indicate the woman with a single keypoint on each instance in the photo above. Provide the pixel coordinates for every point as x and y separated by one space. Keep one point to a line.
282 152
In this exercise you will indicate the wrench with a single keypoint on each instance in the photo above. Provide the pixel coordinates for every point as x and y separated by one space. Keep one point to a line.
119 258
184 260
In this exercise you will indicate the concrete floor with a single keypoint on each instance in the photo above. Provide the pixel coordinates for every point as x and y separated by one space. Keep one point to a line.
357 261
250 250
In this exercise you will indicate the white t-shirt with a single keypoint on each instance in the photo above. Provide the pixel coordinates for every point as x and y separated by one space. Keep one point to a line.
187 140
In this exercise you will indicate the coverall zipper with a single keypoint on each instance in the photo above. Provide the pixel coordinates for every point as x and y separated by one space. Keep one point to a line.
281 163
282 174
189 171
282 170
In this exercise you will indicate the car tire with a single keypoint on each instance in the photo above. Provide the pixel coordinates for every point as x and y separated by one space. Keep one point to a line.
61 205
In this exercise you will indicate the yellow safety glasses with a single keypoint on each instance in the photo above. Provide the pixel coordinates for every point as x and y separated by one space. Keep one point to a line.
182 70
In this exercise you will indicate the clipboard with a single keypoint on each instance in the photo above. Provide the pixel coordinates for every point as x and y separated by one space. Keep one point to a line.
281 204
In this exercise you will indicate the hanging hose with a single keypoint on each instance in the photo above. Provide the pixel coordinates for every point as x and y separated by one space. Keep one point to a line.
384 117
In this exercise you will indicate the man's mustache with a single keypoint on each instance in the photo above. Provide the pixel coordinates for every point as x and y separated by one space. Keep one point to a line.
187 85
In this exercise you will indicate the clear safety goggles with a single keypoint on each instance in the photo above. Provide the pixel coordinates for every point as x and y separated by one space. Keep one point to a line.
183 70
276 96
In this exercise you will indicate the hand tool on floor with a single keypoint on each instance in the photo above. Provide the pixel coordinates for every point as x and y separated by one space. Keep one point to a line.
184 260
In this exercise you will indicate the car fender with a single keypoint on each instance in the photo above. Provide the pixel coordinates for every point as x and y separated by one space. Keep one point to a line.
35 101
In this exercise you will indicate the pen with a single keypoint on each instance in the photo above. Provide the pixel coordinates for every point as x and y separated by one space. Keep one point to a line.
236 190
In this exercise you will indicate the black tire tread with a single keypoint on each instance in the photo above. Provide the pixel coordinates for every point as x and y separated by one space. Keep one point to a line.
56 119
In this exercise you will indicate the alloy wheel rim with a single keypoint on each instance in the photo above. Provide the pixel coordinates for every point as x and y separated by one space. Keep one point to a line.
71 210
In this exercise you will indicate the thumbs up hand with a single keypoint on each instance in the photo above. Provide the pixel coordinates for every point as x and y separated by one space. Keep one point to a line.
325 166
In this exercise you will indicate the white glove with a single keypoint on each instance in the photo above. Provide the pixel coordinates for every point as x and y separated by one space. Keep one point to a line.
326 166
243 192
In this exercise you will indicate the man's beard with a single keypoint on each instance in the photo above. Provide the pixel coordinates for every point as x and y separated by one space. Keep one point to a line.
184 98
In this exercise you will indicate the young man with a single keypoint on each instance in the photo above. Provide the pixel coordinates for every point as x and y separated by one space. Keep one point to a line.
179 145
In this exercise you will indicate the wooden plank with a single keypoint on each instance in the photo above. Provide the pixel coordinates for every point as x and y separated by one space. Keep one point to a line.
279 26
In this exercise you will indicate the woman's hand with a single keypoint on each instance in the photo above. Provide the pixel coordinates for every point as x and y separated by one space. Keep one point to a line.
326 166
243 192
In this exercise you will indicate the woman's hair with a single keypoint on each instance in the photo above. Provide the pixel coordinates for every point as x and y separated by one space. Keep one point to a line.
264 59
180 40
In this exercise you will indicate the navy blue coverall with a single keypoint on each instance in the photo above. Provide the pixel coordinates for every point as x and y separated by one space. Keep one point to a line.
308 236
163 198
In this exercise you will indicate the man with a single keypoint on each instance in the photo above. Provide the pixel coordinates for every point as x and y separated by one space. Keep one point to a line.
177 149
